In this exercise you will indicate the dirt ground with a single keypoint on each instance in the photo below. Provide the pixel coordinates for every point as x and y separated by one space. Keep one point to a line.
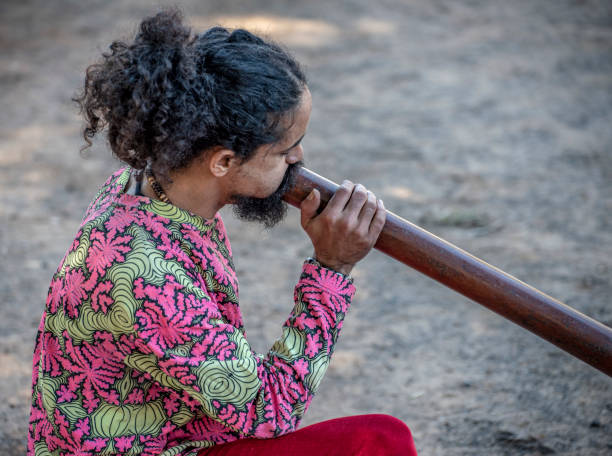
486 122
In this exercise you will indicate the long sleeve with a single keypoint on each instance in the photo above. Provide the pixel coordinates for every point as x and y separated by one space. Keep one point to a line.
183 343
142 351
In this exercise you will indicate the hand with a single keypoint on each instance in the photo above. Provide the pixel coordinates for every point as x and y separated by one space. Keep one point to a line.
347 229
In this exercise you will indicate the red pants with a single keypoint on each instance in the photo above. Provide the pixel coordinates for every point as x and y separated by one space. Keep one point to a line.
363 435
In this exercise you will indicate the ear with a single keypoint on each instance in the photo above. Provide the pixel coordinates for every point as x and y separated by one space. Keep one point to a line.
221 161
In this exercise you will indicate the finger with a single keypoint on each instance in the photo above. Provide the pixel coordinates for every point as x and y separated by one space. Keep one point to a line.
367 211
378 222
358 199
309 206
338 201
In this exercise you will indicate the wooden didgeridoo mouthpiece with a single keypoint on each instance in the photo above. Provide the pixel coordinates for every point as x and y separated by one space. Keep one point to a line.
570 330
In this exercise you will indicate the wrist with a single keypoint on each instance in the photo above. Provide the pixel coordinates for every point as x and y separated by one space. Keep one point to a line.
342 268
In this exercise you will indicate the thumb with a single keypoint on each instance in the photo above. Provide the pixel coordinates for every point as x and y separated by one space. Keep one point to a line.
309 206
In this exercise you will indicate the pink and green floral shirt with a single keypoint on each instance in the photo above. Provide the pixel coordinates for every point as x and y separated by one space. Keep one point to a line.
141 349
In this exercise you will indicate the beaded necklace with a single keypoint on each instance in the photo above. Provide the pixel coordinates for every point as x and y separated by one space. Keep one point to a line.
156 186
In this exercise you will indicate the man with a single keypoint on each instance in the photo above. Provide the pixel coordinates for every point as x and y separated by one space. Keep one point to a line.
141 348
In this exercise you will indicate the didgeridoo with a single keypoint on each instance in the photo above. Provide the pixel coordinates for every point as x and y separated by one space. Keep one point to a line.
570 330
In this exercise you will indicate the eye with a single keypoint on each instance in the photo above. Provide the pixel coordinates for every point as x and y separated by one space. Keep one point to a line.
286 152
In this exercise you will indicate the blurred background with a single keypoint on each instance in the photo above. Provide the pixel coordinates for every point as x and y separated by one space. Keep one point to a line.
488 123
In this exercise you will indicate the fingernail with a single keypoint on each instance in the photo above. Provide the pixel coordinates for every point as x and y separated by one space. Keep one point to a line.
311 195
346 183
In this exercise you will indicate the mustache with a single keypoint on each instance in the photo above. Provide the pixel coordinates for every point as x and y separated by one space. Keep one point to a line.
272 209
289 178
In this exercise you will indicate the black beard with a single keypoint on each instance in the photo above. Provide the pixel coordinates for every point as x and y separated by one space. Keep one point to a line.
270 210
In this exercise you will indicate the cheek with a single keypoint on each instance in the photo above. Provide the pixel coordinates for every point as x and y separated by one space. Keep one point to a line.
264 179
276 171
280 173
271 181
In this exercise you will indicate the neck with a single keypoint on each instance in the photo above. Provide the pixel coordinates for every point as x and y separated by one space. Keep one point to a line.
193 190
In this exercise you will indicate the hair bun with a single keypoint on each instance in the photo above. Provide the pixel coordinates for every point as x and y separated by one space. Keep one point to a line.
165 28
166 97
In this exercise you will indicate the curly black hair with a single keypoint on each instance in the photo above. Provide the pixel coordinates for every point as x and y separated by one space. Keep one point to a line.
168 96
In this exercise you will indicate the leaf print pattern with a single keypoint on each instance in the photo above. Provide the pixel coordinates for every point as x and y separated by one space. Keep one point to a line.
56 293
53 359
94 369
104 250
165 324
100 298
75 291
142 349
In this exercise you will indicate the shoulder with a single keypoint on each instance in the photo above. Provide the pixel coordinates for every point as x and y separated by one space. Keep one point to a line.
112 187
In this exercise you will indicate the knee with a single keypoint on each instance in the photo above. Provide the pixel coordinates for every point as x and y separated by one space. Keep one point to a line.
385 435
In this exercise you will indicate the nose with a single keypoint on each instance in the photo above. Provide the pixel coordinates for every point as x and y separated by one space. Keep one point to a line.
296 154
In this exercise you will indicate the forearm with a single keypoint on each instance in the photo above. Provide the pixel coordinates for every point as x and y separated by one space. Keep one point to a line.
293 368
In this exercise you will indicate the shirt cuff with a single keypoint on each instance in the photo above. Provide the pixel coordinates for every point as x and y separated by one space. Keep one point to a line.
311 260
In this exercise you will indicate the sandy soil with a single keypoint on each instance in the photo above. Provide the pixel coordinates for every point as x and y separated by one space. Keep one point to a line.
487 122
